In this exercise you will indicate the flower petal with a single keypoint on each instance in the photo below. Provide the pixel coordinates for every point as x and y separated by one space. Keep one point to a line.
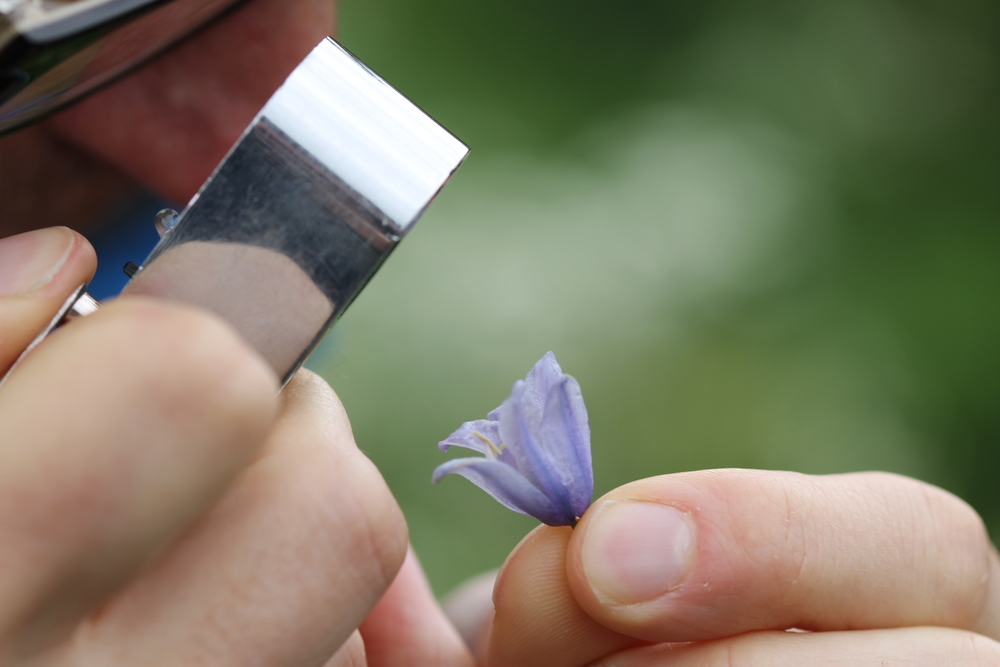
474 435
464 437
542 377
565 437
507 486
520 423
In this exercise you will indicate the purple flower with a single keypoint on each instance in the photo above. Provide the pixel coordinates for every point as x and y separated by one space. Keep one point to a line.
537 448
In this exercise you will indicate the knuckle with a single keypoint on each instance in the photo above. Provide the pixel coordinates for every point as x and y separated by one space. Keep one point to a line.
359 526
189 362
378 527
951 545
958 536
309 389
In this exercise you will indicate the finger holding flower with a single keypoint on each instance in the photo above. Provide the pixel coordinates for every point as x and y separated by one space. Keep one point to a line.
872 566
715 567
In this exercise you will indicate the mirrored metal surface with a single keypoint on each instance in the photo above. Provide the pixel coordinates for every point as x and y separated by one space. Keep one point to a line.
54 51
305 208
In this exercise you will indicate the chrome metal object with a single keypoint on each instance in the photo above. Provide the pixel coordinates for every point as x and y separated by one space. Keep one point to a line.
77 305
52 52
317 193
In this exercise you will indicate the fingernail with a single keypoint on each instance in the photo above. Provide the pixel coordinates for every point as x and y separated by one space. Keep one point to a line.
636 551
30 261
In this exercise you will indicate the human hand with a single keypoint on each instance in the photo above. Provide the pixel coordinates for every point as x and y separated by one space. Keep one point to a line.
165 126
713 567
160 503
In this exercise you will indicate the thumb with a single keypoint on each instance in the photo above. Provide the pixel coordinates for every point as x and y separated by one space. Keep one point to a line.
38 272
538 622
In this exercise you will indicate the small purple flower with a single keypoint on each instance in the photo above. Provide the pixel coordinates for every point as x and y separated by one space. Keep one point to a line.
537 448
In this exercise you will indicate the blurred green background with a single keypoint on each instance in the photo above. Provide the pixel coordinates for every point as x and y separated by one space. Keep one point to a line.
759 234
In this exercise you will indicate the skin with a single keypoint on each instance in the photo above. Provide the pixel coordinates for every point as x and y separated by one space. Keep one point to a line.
266 296
160 502
871 568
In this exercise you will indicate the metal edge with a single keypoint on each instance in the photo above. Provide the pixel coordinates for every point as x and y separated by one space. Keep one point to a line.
53 324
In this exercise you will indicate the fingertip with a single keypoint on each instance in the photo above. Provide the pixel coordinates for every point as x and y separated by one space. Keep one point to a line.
74 266
538 554
626 552
310 406
538 621
313 430
469 607
39 270
647 558
81 262
37 263
772 550
408 626
307 388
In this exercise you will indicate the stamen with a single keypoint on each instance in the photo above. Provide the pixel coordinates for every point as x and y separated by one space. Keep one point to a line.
493 451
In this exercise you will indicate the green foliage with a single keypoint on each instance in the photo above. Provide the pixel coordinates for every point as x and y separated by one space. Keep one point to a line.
758 234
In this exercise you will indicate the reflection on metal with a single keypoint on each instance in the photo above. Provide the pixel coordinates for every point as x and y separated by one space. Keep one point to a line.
84 305
49 20
313 198
78 304
305 208
54 52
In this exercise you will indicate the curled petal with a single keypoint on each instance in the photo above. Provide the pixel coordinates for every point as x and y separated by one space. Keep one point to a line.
508 487
565 436
542 376
520 422
465 436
